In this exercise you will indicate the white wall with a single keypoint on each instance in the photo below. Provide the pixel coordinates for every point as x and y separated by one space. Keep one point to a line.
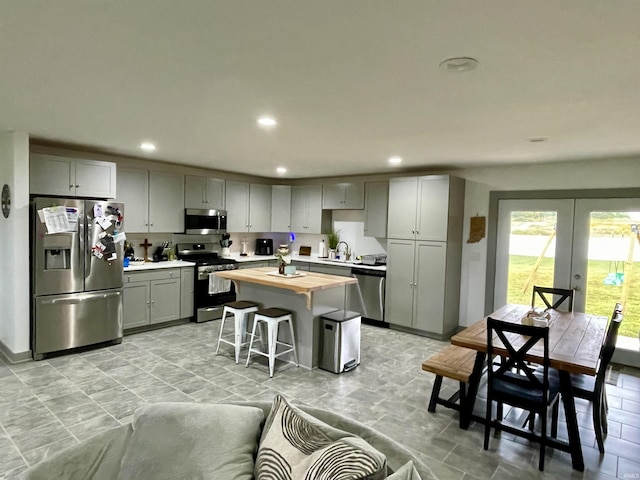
14 243
587 174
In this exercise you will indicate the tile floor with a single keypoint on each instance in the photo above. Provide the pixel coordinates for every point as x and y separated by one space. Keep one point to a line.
50 405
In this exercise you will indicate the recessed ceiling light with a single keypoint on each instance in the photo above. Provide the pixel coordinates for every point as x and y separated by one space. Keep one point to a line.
458 64
147 146
395 160
538 139
267 122
281 170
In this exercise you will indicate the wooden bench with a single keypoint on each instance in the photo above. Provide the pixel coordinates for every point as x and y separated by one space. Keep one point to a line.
456 363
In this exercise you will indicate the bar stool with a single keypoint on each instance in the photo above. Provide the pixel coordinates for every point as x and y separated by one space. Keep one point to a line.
272 317
239 310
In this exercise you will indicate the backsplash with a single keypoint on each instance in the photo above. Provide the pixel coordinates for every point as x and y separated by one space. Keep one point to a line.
349 223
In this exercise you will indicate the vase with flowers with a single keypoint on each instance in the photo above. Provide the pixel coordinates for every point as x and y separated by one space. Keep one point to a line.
284 257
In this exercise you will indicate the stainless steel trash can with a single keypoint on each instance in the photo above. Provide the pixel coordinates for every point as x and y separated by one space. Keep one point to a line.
340 341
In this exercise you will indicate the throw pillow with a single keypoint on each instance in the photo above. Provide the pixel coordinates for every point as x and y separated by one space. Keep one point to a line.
295 445
180 441
406 472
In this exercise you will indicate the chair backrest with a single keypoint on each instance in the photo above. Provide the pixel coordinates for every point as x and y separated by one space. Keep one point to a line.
616 310
526 337
609 345
563 294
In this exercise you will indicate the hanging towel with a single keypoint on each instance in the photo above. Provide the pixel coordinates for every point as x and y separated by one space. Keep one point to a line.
218 285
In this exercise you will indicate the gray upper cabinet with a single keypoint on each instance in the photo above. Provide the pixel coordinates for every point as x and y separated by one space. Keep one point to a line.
306 210
133 191
421 208
204 192
280 208
71 177
166 202
343 196
248 207
375 209
154 201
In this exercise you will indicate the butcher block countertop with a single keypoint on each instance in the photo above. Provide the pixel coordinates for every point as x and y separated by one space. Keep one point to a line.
306 283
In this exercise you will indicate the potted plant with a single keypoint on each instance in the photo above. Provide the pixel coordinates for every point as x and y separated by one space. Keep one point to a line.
284 257
333 238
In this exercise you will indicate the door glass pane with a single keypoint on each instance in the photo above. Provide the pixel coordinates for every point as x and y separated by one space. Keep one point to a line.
532 246
613 268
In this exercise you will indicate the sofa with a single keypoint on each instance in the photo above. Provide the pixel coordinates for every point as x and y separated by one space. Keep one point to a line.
243 440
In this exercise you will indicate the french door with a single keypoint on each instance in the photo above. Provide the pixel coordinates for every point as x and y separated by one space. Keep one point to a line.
589 245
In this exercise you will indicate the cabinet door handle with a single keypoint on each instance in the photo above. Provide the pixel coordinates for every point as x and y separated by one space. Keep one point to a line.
417 232
413 232
151 224
71 186
77 185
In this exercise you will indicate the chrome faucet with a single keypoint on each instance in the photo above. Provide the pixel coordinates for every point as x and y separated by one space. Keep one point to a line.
347 252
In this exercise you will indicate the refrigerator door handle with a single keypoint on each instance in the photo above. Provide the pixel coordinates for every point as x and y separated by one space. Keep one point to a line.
381 296
86 248
78 298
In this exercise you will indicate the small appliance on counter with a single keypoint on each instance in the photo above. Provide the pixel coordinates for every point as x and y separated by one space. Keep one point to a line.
376 259
264 246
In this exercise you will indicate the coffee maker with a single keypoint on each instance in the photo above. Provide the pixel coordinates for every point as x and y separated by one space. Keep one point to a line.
264 246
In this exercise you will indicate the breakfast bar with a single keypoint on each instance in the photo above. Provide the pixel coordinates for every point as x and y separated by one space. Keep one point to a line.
308 295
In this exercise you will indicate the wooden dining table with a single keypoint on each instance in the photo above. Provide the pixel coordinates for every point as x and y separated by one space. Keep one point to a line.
574 343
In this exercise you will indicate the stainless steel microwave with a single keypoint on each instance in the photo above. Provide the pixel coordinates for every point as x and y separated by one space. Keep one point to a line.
204 222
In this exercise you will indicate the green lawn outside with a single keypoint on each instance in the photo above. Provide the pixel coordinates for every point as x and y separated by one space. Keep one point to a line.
601 298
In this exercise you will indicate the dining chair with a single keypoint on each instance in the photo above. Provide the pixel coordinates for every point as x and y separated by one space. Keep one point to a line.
593 388
517 383
542 292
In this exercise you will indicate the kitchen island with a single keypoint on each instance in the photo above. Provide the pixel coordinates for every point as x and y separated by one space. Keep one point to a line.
308 295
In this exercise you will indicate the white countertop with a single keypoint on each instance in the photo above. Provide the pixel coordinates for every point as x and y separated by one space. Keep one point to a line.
309 259
156 265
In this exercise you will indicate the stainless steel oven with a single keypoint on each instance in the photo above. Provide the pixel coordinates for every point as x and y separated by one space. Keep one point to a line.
210 291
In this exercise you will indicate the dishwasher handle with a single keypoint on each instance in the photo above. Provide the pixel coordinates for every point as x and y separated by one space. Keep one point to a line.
368 272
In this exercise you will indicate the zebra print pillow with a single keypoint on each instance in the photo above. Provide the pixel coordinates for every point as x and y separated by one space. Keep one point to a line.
294 445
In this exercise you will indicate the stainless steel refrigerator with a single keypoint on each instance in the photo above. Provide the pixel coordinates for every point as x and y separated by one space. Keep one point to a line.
76 277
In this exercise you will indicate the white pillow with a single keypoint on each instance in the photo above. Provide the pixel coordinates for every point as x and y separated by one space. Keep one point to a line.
295 445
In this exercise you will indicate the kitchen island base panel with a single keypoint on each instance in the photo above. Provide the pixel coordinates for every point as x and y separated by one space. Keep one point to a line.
306 322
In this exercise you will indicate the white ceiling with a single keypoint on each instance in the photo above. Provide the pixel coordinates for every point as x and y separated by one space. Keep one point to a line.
351 82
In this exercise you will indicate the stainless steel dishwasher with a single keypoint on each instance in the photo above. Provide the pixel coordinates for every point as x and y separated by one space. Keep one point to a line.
367 297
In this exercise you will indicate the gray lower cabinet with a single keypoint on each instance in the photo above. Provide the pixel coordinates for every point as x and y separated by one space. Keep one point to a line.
186 292
151 297
330 269
135 304
423 286
255 264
